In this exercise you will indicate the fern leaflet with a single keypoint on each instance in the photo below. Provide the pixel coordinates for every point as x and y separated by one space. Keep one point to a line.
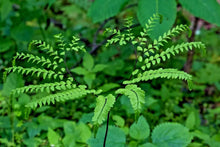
103 106
136 96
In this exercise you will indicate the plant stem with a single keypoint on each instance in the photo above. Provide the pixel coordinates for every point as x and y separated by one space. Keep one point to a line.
106 131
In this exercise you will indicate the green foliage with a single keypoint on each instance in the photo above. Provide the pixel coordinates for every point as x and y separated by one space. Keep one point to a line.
116 137
88 70
167 10
53 62
53 137
104 9
171 134
208 6
140 130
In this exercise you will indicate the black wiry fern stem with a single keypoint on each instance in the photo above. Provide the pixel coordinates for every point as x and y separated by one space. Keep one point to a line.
107 123
106 131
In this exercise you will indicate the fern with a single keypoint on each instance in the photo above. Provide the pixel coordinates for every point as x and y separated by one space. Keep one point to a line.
161 73
36 59
46 87
62 96
136 96
173 50
47 48
103 106
35 71
148 53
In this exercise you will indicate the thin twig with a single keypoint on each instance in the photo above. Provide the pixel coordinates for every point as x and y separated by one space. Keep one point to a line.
190 54
94 44
68 70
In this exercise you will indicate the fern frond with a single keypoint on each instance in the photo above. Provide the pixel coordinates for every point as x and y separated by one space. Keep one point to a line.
136 96
35 71
161 73
72 94
168 35
47 48
45 87
74 45
60 42
38 60
103 106
173 50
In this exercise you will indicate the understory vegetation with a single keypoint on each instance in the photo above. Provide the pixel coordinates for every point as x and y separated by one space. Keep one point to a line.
78 73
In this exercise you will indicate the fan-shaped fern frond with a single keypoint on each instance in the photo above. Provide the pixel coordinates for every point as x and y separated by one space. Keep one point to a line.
136 96
35 71
161 73
173 50
36 59
71 94
103 106
45 87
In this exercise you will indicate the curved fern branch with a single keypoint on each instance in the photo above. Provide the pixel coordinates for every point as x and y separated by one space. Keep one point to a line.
35 71
45 87
173 50
161 73
47 48
36 59
72 94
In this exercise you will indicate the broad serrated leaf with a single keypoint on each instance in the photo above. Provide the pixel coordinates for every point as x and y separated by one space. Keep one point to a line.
171 135
140 130
116 137
208 10
166 8
104 9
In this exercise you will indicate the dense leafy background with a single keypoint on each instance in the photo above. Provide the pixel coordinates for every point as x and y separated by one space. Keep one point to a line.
168 102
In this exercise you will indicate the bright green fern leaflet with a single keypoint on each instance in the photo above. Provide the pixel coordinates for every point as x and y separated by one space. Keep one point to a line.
136 96
103 106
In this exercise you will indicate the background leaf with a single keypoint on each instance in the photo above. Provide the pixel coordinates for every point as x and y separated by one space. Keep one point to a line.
140 130
53 137
88 61
205 9
171 135
116 138
104 9
166 8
